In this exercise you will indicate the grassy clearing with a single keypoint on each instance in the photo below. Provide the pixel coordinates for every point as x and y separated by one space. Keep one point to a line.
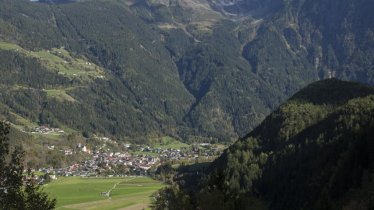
60 60
50 136
168 142
22 122
9 46
67 65
84 193
165 142
59 94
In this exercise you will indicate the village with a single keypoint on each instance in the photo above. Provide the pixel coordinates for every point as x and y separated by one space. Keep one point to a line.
139 160
105 157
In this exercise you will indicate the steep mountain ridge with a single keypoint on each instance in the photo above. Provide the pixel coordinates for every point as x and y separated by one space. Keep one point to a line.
313 152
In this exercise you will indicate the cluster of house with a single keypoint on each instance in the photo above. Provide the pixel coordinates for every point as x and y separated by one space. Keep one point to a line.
133 160
203 150
104 162
69 151
106 140
46 130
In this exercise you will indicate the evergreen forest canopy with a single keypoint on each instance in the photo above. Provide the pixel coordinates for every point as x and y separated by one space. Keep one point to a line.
313 152
196 70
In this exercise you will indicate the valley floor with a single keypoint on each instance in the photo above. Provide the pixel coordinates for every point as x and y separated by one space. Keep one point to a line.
128 193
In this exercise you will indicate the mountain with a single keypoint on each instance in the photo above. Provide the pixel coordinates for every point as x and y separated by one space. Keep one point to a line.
313 152
242 68
197 70
120 79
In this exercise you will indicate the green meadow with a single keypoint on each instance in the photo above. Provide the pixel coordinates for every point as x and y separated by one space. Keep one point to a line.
128 193
60 60
168 142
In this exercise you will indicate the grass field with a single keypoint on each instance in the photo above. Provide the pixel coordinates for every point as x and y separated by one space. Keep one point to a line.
59 94
60 60
168 142
129 193
21 121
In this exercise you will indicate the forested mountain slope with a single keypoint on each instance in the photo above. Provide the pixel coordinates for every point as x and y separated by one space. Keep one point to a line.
137 93
193 69
244 69
313 152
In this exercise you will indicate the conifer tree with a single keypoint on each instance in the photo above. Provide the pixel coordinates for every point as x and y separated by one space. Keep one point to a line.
18 191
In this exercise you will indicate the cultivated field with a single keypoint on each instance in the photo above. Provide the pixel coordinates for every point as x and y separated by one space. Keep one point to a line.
129 193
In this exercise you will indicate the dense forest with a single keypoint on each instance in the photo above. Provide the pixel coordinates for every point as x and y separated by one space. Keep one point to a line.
195 70
313 152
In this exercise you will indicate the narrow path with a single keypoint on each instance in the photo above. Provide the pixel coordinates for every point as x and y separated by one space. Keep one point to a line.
110 190
115 185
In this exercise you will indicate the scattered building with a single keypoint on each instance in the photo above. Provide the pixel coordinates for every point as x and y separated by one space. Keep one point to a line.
46 130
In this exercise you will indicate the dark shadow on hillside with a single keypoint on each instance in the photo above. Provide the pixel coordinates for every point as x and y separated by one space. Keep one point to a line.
332 92
313 165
